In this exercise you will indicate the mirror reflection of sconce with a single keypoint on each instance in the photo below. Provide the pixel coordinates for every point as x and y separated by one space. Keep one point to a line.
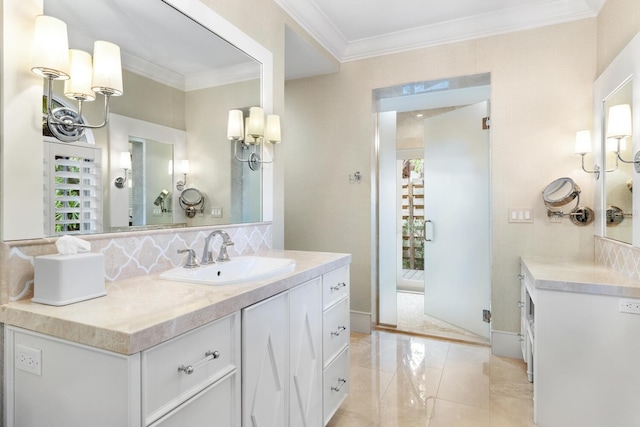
125 164
619 127
560 193
53 60
251 131
183 168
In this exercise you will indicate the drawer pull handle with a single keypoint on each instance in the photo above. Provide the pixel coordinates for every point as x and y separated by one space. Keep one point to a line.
209 355
341 382
338 286
339 330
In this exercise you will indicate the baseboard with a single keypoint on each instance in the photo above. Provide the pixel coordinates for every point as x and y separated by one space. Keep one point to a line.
360 322
506 344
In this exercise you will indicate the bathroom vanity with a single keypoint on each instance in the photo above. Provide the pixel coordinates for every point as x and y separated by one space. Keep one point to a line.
581 337
164 353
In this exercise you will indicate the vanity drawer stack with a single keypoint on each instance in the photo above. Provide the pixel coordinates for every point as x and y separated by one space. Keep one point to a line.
335 340
193 376
527 320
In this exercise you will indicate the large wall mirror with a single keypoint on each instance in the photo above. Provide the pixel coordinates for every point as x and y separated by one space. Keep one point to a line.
180 80
616 108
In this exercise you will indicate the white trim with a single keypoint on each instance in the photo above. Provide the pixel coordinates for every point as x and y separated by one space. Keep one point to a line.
506 344
360 322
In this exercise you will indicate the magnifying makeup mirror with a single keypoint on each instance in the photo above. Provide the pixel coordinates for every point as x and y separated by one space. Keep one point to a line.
562 192
192 201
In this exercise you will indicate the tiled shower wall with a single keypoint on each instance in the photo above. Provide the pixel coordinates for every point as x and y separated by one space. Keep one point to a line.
621 257
127 254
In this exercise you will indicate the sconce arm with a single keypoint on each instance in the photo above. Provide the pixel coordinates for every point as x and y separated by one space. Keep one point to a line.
596 168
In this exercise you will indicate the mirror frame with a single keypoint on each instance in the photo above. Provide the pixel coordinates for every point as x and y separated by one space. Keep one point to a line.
624 67
21 138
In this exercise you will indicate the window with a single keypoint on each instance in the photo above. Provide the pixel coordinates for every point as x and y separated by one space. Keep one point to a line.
72 189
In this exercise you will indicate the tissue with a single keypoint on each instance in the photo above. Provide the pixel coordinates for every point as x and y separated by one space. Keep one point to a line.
72 275
69 245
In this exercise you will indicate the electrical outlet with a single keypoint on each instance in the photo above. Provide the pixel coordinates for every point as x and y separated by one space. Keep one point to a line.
216 212
29 359
630 306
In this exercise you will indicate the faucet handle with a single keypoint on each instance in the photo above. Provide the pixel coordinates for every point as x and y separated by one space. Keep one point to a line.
192 261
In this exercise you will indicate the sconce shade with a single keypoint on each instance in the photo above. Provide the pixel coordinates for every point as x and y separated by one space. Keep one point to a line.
80 71
583 142
50 49
235 127
272 130
611 145
107 69
256 122
619 123
125 160
184 167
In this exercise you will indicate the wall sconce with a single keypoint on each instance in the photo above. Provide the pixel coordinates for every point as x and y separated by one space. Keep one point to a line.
251 132
618 128
125 164
583 146
53 60
183 168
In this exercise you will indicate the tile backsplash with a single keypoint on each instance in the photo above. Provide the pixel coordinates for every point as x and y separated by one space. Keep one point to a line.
621 257
127 254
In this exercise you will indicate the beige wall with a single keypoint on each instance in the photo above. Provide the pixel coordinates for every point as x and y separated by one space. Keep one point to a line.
618 23
541 95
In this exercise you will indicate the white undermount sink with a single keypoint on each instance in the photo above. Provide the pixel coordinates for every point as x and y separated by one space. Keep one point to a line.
238 270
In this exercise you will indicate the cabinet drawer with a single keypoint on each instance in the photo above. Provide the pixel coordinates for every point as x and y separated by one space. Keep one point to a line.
335 385
175 370
335 330
218 405
335 286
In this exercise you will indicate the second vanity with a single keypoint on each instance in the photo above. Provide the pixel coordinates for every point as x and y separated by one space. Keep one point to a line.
164 353
581 343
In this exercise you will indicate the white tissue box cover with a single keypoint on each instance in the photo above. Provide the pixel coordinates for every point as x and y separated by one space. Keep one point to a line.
65 279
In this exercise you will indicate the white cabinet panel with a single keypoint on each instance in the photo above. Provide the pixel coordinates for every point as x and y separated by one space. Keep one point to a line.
78 386
335 331
335 384
305 383
265 350
216 406
335 286
209 353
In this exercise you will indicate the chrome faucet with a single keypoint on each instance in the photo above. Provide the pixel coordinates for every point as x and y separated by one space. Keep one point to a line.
222 253
192 261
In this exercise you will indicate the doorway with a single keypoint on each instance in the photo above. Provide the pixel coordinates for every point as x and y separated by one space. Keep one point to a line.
422 211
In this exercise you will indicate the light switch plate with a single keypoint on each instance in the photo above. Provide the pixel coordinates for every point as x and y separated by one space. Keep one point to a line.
521 215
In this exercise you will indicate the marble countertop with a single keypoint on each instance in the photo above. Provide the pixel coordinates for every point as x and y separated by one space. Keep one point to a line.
143 311
583 277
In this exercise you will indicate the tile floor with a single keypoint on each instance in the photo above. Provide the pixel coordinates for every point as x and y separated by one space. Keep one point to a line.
401 380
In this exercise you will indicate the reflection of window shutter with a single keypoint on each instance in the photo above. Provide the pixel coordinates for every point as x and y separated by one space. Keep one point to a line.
73 201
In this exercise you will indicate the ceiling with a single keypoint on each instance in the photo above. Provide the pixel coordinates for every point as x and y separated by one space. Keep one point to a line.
357 29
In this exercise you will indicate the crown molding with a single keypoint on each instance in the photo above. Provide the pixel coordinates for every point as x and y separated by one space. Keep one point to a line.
310 17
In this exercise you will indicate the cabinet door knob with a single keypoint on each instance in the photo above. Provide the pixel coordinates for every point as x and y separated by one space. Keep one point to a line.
520 304
341 382
208 355
339 330
521 276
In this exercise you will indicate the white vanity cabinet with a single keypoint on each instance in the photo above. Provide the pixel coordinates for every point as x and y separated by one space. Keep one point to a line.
527 319
282 361
585 348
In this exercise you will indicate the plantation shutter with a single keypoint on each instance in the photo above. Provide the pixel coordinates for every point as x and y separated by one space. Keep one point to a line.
73 194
